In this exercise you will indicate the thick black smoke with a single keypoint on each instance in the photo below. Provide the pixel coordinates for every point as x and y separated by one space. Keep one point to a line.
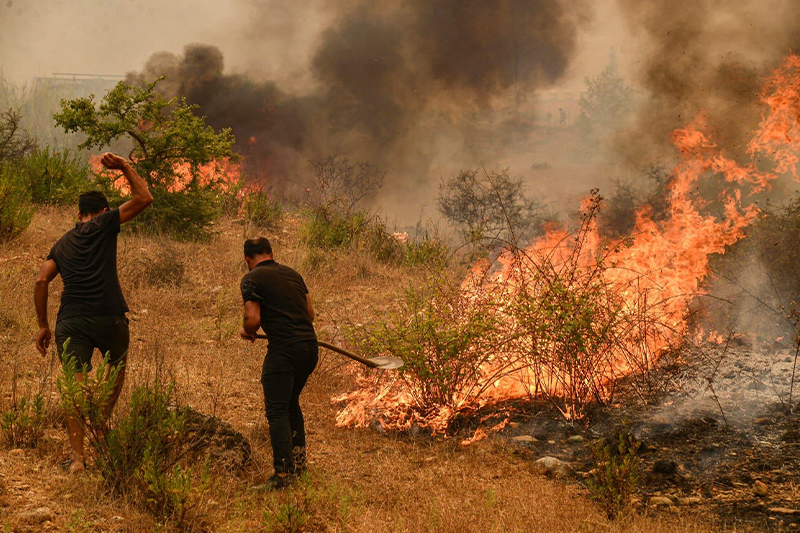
379 72
710 55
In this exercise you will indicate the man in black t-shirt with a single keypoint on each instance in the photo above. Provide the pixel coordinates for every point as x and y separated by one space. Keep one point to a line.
92 311
276 299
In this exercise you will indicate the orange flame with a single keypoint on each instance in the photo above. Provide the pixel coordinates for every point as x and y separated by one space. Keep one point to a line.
656 274
222 173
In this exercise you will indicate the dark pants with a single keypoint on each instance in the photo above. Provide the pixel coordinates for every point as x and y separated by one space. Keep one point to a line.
283 377
109 334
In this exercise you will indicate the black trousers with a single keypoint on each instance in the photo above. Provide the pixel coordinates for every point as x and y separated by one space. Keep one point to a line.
283 377
109 334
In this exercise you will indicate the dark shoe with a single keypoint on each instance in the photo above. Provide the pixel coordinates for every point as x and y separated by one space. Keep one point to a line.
278 481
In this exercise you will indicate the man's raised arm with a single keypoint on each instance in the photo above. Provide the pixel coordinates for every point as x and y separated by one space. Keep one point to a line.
140 194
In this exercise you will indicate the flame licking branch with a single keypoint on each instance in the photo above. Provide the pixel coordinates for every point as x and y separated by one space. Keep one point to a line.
222 173
638 290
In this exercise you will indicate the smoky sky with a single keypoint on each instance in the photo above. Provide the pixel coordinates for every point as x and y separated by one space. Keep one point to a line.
709 55
377 72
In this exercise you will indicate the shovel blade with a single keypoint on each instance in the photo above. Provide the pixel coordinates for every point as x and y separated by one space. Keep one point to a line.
387 363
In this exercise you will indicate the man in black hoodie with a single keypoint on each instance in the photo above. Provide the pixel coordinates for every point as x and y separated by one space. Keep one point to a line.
92 312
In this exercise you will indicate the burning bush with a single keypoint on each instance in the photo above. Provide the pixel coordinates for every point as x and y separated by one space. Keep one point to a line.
548 321
447 344
181 158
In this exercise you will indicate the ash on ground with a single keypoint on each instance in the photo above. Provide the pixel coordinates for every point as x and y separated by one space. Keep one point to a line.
718 435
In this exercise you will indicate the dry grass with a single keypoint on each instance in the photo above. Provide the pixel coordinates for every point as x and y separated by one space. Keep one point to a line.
360 481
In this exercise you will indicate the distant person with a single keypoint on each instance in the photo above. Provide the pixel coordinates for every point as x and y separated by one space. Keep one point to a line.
276 299
549 117
92 312
562 116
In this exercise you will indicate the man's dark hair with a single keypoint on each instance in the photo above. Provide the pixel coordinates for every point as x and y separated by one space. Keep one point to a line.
92 202
257 246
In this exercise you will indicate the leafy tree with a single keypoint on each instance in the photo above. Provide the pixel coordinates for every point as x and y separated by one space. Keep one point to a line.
174 150
607 101
490 206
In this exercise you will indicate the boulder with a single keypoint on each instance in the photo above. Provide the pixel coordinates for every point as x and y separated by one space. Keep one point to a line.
760 489
553 467
209 435
37 516
661 501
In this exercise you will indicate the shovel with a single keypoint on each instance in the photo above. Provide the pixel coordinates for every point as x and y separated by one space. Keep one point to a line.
383 362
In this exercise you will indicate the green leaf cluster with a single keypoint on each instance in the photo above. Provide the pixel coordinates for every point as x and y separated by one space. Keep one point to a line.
23 425
616 474
170 141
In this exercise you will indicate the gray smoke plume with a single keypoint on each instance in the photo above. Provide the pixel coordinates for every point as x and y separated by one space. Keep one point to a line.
710 55
385 79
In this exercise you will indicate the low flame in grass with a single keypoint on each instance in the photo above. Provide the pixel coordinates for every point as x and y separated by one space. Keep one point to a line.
223 173
650 278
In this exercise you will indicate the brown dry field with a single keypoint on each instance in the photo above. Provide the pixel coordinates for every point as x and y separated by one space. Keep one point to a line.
360 480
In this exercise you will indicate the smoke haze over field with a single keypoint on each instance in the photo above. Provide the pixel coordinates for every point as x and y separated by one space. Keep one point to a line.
421 88
706 55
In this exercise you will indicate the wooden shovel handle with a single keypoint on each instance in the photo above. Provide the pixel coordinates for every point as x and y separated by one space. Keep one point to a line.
351 355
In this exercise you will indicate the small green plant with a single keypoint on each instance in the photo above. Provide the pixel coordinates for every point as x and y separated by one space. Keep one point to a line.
263 209
77 522
287 517
16 208
171 495
87 400
23 425
310 505
615 475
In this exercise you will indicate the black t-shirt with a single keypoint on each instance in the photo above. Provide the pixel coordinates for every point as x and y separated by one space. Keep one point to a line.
281 293
86 257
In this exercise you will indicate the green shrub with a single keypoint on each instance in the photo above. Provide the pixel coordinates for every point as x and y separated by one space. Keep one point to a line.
186 216
287 517
262 209
23 425
177 154
329 229
16 208
172 494
142 453
615 475
55 178
443 339
427 248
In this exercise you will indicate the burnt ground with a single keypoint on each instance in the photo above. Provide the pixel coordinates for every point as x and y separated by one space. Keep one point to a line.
716 429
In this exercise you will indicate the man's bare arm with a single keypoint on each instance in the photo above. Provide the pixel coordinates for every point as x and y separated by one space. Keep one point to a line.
140 194
251 321
310 307
47 274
